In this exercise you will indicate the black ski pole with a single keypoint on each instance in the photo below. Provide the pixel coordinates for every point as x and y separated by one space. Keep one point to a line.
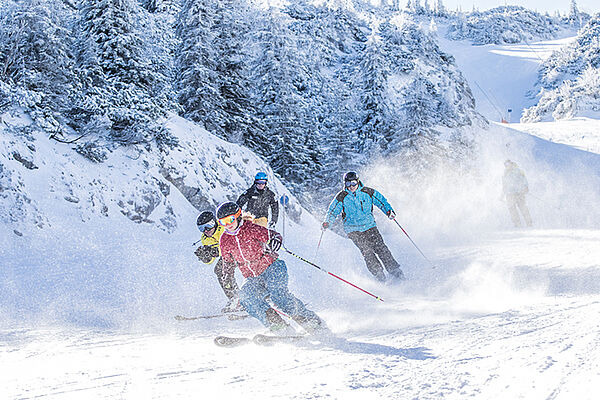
319 244
332 274
414 244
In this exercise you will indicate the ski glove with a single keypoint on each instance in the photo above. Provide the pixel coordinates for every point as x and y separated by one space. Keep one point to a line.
274 244
325 226
206 253
391 214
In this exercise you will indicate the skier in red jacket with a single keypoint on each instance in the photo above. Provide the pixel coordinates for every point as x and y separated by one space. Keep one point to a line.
254 249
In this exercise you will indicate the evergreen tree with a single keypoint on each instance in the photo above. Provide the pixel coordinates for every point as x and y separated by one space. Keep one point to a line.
574 15
440 9
374 70
36 62
231 30
121 93
196 64
279 76
160 6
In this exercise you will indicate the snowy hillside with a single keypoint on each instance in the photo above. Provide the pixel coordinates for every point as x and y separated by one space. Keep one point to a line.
124 214
570 79
504 25
501 76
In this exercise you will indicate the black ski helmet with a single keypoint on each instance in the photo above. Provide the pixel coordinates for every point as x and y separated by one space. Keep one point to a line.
206 219
227 209
350 176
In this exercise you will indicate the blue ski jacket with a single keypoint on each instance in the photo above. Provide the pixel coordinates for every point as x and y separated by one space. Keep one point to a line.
357 208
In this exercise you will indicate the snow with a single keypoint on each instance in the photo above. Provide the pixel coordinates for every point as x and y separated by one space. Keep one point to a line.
521 326
581 133
87 298
501 76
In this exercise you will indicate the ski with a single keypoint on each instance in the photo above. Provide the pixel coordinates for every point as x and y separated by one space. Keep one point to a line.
227 341
268 340
230 316
261 340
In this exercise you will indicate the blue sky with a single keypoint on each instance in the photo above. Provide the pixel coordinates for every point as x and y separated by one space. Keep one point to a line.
590 6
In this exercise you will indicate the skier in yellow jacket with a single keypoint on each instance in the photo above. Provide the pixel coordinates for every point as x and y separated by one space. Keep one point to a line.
209 251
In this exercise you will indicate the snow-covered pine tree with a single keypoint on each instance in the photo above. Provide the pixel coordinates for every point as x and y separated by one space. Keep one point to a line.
279 76
339 141
374 69
160 6
440 9
505 24
196 65
36 61
426 8
574 17
231 44
570 79
119 99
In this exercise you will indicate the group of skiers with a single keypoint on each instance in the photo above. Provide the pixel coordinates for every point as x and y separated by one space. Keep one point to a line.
249 243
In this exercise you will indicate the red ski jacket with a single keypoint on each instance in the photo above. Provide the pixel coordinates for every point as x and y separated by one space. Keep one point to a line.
246 247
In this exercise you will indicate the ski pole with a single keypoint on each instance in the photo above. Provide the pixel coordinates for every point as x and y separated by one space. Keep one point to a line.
319 244
332 274
414 244
283 221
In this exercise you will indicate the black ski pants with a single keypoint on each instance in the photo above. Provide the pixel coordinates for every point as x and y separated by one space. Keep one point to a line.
226 280
371 245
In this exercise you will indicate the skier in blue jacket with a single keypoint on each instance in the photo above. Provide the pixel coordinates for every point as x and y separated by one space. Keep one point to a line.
355 204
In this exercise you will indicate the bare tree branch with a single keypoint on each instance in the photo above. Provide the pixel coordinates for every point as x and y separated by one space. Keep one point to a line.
53 136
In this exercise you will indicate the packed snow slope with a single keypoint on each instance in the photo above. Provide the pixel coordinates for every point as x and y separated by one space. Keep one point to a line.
502 77
87 297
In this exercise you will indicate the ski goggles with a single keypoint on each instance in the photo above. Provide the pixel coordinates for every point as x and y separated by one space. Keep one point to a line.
207 227
351 183
230 218
260 182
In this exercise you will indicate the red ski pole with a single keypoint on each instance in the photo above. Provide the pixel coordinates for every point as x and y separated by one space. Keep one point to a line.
332 274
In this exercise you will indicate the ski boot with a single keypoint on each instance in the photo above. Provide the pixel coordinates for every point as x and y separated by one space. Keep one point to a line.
233 306
312 325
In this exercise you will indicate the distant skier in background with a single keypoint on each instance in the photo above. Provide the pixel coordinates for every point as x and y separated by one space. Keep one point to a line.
258 199
253 249
209 251
514 188
355 204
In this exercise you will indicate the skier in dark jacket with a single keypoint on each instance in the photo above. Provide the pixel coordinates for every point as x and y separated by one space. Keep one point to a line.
253 249
355 204
258 199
